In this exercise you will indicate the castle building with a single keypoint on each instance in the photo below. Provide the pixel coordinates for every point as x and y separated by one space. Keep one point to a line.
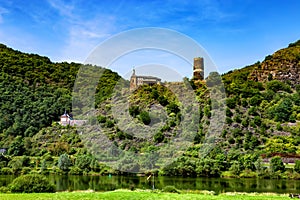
198 73
136 81
67 119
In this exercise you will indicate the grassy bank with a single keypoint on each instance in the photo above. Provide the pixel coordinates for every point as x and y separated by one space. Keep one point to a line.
138 195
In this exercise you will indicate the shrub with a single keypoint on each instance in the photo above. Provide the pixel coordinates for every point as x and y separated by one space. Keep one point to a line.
101 119
173 108
257 120
231 140
255 100
235 168
134 111
171 189
276 85
228 120
279 127
4 189
237 118
228 112
276 164
109 123
297 166
31 183
159 137
230 102
163 100
245 122
145 117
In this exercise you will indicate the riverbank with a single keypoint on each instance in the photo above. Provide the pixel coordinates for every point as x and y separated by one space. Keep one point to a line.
142 194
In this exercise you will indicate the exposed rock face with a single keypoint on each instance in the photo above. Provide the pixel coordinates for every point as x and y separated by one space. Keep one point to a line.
283 65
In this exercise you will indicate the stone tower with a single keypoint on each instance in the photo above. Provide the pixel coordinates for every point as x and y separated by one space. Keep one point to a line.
198 68
133 81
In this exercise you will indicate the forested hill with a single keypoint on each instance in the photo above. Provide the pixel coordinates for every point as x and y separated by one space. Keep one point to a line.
35 92
262 118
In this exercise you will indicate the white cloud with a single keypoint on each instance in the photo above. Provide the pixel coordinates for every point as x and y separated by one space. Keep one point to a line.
84 33
63 8
2 12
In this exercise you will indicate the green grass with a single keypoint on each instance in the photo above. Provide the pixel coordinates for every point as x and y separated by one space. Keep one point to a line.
138 195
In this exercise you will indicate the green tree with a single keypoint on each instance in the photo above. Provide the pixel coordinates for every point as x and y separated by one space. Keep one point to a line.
64 162
16 164
282 111
235 168
83 162
17 147
276 85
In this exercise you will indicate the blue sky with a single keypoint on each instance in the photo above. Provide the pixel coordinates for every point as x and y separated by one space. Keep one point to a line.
235 33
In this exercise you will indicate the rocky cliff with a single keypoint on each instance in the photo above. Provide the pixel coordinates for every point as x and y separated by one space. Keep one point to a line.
283 65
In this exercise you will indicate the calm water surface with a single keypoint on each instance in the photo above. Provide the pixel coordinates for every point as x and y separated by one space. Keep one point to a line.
108 183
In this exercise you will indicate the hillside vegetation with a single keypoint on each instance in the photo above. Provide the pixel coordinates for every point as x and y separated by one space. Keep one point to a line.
261 131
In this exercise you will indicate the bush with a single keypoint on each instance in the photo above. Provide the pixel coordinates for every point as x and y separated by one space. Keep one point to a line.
171 189
257 120
297 166
101 119
255 100
228 112
134 111
4 189
31 183
173 108
109 123
276 164
159 137
163 101
145 117
228 120
276 85
230 102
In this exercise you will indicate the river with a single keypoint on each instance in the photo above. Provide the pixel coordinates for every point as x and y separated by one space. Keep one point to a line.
108 183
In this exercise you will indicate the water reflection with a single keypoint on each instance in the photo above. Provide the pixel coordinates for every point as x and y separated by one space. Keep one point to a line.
108 183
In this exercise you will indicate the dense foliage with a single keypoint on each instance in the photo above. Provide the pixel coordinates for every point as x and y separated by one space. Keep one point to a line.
262 130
